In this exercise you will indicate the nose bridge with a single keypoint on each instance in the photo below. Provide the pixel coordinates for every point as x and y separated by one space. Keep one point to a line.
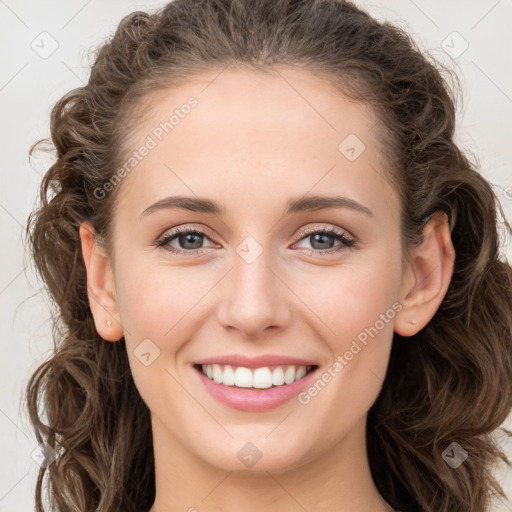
251 277
255 298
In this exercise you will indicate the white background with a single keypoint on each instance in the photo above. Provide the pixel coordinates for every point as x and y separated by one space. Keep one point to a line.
30 85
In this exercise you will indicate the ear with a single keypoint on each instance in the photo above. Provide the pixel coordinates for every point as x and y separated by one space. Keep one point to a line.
100 285
427 277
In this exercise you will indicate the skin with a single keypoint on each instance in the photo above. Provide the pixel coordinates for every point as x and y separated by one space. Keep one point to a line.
252 143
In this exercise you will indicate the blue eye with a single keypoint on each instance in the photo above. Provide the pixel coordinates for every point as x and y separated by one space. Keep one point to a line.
322 237
190 241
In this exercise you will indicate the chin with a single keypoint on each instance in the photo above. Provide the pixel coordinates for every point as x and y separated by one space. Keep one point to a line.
259 455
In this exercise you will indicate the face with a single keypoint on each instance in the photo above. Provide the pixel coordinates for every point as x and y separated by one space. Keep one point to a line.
261 271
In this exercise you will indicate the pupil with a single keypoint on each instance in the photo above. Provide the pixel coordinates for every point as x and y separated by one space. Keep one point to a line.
319 235
189 237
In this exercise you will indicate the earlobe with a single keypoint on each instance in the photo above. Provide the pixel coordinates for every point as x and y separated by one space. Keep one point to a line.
428 277
100 285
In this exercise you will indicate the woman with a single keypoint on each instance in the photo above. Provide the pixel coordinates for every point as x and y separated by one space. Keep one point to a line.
338 334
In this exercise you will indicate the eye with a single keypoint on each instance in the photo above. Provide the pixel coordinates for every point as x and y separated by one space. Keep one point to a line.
322 240
189 241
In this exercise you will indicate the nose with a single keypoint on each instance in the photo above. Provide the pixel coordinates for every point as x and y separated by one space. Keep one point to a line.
256 299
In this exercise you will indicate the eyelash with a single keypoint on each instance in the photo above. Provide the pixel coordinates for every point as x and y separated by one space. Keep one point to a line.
347 243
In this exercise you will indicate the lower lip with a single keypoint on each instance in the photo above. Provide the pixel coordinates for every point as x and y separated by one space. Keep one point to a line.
255 400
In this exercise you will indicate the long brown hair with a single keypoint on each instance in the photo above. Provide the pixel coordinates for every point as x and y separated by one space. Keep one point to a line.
450 383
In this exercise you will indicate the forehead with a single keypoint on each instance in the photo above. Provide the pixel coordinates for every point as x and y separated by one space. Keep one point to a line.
245 132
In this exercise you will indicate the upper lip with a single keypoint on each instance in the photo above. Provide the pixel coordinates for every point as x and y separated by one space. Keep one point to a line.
256 362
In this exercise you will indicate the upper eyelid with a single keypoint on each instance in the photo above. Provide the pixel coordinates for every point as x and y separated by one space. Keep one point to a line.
340 231
187 229
205 231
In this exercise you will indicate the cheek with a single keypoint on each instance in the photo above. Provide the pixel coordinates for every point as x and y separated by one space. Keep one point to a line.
152 299
153 311
351 299
359 304
361 314
160 309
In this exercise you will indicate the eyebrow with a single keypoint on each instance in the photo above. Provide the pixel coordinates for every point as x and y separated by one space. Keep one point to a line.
309 203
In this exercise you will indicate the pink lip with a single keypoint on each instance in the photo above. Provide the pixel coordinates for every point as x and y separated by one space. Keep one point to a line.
256 362
255 400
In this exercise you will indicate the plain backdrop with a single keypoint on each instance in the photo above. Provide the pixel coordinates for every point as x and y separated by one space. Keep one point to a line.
44 54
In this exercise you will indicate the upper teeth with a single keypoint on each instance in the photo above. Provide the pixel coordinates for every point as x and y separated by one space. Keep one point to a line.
261 378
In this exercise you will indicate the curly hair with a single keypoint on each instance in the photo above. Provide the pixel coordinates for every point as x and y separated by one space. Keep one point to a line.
451 382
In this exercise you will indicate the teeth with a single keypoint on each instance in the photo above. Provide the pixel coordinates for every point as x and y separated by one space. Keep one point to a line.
228 378
243 378
217 373
262 378
259 378
289 375
278 376
300 372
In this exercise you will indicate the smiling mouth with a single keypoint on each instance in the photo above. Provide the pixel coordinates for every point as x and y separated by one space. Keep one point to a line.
265 377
